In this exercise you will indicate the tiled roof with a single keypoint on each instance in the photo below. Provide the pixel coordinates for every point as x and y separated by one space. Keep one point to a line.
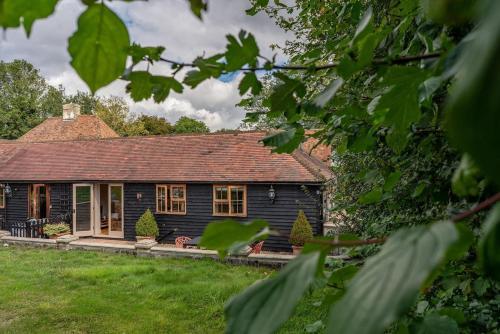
220 157
82 127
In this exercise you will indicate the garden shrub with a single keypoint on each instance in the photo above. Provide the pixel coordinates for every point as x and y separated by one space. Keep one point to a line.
301 230
53 229
146 225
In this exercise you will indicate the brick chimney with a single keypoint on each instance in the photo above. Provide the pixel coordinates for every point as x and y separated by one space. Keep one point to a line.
71 111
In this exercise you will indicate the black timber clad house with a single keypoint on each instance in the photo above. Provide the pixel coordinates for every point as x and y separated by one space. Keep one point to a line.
187 181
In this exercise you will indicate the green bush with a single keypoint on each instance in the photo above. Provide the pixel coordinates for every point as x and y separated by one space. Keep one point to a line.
301 230
146 225
53 229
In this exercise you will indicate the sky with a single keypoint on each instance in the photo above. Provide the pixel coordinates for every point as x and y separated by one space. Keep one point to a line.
169 23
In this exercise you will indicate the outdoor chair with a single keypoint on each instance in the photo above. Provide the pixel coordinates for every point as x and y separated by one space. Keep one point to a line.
180 241
257 248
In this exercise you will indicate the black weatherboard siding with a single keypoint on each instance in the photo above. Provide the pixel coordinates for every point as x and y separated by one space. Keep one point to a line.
16 208
281 214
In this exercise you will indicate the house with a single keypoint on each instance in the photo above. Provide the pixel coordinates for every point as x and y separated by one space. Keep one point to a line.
187 181
72 126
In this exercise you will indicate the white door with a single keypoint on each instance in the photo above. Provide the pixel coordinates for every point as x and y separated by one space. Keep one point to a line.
83 199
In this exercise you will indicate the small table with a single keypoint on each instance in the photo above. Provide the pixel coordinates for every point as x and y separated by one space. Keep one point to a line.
193 242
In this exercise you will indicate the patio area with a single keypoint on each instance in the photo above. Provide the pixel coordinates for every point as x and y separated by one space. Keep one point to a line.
141 249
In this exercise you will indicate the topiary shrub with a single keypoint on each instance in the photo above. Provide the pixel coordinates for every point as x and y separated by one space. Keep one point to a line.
146 225
301 230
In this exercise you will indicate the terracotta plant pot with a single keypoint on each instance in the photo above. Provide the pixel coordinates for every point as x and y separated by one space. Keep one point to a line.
139 238
297 249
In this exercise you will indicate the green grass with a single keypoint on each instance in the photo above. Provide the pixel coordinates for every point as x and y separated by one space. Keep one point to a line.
53 291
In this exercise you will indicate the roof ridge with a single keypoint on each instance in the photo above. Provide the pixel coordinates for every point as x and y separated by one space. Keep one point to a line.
322 169
194 134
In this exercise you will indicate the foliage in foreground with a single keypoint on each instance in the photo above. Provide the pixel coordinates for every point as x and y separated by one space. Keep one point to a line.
394 77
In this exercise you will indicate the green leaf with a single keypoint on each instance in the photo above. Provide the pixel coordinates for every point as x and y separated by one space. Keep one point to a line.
364 25
373 196
266 305
401 103
462 245
229 235
314 327
284 96
392 180
285 141
437 324
475 102
143 85
139 53
238 54
248 82
15 12
99 47
480 286
489 244
207 68
140 86
419 189
198 6
454 314
341 276
162 87
324 97
389 282
466 179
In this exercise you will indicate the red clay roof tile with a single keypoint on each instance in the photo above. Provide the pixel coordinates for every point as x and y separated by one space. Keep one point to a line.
220 157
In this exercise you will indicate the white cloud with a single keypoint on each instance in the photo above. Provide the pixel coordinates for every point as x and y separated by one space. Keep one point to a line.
156 22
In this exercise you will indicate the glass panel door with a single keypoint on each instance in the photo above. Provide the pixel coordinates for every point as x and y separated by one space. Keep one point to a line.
116 210
82 209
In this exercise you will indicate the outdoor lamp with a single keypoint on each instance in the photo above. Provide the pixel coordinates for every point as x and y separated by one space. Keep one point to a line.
271 194
8 190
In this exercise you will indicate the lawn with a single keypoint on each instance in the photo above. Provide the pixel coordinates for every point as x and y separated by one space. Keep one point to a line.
53 291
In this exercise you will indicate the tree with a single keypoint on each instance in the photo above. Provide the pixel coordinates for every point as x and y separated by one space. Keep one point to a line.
25 99
88 102
156 125
114 111
391 83
190 125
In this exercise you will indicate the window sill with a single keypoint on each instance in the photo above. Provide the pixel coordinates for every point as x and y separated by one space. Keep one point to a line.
171 213
228 215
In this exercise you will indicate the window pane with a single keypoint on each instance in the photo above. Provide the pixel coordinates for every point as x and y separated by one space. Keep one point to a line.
169 208
237 197
178 192
161 199
178 206
221 193
222 208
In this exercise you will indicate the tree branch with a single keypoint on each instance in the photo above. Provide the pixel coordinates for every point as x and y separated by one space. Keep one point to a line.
376 61
351 243
481 206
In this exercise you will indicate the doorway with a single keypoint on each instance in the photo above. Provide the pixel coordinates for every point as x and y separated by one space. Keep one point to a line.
98 210
109 216
39 201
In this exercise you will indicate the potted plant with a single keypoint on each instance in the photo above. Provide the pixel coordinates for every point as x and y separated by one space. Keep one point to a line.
301 233
54 231
146 227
